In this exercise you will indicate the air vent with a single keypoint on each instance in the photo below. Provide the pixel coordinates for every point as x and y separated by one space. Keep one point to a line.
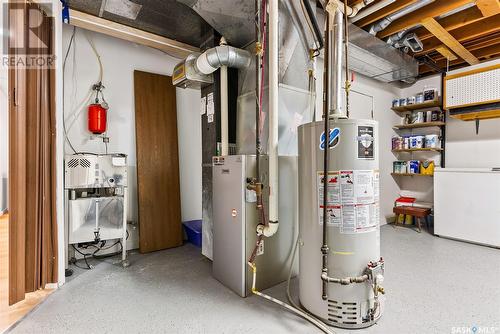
73 163
84 163
345 313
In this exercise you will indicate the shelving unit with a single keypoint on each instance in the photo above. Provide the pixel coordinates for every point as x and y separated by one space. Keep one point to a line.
418 125
419 213
423 149
417 106
411 174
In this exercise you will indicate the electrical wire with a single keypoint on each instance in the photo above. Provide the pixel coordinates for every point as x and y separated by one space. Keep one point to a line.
64 67
75 113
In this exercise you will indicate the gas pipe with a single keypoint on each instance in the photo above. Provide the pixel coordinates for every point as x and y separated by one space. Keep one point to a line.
97 118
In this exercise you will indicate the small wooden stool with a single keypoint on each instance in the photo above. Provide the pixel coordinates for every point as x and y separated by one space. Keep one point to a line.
416 212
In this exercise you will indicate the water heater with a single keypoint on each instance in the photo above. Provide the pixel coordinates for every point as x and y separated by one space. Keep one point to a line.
353 232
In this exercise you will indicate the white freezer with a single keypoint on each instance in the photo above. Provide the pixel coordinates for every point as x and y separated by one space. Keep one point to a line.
467 204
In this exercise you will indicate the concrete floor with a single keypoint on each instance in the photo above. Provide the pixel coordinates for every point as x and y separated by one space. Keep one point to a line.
433 285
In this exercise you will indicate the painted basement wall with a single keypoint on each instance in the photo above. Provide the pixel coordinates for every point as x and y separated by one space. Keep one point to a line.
360 107
463 147
120 58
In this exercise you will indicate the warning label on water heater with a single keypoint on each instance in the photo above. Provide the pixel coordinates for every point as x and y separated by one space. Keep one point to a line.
352 200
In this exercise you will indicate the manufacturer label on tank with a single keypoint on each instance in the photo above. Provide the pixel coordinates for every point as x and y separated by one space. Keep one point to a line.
366 142
352 200
333 139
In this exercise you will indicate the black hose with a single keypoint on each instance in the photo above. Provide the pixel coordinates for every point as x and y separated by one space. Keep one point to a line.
314 22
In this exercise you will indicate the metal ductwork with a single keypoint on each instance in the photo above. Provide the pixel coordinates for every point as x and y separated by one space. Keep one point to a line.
223 55
335 58
386 21
232 19
198 68
376 59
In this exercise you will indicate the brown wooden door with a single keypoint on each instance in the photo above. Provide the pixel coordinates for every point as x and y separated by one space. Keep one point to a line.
157 162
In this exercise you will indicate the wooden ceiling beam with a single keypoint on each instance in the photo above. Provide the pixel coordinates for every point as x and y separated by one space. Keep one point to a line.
481 28
383 12
474 47
492 51
434 27
457 20
488 7
434 9
447 54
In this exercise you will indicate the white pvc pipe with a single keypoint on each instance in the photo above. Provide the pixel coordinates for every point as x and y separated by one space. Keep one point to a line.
273 112
224 110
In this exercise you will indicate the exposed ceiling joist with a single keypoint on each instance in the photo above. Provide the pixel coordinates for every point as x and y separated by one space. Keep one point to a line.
434 27
457 20
488 7
434 9
447 54
97 24
481 28
487 53
380 14
474 45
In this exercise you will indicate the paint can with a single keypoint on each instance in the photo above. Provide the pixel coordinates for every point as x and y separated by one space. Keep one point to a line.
411 100
419 98
417 141
402 102
431 141
406 142
428 116
395 103
414 167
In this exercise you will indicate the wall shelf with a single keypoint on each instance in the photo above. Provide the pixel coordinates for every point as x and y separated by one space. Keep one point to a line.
427 104
410 174
424 149
472 116
418 125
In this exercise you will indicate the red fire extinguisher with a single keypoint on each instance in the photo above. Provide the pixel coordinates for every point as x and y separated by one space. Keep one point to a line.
97 112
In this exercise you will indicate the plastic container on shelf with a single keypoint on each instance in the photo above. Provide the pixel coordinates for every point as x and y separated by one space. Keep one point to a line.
427 167
432 141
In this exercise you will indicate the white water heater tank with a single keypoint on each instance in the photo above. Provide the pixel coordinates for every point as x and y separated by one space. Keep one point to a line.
353 221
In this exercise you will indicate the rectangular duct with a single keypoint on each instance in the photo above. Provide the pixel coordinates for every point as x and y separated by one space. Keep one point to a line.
369 55
376 59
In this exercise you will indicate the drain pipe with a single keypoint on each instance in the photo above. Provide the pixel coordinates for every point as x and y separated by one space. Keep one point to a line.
223 56
273 23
